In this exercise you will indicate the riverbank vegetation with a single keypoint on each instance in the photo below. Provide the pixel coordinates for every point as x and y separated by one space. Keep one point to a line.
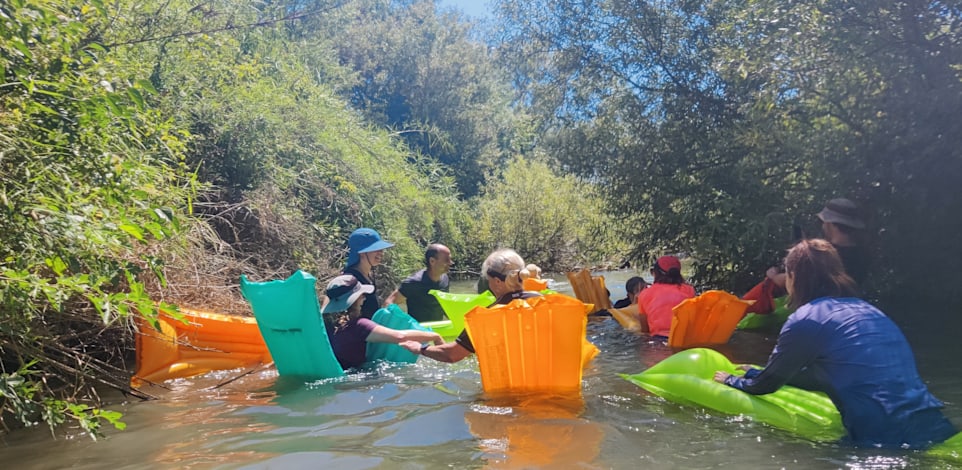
151 154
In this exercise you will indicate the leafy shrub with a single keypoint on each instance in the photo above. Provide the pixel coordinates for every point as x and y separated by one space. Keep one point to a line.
557 222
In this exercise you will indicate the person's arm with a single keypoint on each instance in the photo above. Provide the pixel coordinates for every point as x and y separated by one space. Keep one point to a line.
750 372
643 319
396 297
797 346
447 352
643 323
776 276
383 334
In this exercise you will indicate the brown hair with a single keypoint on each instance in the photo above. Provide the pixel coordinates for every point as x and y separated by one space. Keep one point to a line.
816 271
672 276
338 320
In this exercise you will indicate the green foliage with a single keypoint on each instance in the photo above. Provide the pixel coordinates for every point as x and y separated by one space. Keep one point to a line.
111 124
293 169
551 220
421 74
871 90
25 399
715 125
87 179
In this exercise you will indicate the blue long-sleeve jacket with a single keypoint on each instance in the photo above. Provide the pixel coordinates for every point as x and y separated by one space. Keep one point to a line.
850 350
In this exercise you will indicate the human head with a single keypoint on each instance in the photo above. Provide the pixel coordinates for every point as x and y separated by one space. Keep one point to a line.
814 270
364 240
437 258
534 270
843 213
634 286
343 292
505 272
667 270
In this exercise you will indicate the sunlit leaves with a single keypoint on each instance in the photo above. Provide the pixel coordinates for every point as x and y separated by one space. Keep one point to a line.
85 175
423 75
555 221
716 123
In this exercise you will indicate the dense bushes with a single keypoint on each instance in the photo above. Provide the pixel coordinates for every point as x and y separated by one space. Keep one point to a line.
554 221
717 124
88 180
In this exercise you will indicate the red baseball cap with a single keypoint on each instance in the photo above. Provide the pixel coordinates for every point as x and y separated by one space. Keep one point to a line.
667 263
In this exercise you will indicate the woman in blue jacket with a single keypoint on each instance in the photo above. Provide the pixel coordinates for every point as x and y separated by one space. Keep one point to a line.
845 347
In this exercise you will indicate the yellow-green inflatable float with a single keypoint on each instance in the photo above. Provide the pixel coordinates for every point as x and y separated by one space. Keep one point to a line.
687 378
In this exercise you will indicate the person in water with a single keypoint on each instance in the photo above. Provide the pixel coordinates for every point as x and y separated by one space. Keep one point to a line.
534 283
413 291
668 290
633 287
843 346
843 227
366 252
349 331
506 273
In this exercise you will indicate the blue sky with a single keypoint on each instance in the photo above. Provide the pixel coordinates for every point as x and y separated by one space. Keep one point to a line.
477 8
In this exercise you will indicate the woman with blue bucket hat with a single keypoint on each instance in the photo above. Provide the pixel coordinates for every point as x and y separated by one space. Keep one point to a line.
366 252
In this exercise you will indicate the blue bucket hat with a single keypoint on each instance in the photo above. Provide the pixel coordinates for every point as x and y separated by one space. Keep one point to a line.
364 240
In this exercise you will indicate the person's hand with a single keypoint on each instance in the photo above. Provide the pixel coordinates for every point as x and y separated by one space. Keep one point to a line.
437 340
413 347
721 376
776 276
392 298
744 367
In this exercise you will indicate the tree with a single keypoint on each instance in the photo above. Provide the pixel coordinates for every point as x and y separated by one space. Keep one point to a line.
292 168
554 221
717 123
423 75
89 180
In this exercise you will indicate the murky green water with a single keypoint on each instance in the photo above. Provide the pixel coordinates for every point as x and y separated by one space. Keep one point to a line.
432 415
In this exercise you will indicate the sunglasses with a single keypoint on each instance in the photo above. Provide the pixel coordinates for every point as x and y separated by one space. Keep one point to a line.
497 275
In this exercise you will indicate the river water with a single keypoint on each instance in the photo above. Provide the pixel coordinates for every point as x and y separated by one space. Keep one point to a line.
432 415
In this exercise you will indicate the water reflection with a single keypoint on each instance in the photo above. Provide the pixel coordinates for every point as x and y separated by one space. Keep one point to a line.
534 430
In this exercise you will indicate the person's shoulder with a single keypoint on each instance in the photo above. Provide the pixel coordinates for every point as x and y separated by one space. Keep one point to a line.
649 291
827 308
357 275
824 303
856 307
657 288
366 323
415 277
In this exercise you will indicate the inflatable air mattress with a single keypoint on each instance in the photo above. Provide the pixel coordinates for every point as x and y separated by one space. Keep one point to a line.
686 378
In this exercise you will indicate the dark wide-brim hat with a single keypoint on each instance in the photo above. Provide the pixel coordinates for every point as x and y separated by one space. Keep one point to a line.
842 211
364 240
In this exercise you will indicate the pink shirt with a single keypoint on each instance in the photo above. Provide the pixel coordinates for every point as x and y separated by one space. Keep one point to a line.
657 300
